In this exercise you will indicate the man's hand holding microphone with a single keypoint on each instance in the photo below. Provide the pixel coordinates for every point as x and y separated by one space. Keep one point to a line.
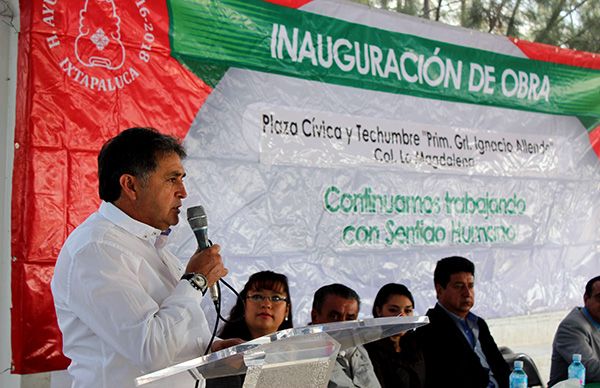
208 262
205 267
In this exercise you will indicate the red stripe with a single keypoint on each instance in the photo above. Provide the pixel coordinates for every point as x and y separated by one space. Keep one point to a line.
548 53
594 136
289 3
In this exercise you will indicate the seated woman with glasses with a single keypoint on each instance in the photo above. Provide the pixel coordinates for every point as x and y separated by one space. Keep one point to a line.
263 307
397 360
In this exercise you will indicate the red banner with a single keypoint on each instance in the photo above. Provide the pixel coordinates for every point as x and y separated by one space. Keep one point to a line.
87 70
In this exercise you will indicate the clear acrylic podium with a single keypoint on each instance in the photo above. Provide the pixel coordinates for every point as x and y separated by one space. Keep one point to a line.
301 356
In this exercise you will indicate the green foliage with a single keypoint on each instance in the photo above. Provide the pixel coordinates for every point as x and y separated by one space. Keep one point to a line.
571 24
475 16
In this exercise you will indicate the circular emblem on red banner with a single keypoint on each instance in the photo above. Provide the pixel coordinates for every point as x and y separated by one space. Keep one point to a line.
103 43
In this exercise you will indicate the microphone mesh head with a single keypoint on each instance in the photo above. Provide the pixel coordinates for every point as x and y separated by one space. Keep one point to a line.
197 217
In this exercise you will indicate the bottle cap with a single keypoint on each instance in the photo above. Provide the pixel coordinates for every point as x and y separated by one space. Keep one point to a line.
576 357
518 364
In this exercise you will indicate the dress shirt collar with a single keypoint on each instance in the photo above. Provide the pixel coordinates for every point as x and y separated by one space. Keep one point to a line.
589 317
471 318
133 226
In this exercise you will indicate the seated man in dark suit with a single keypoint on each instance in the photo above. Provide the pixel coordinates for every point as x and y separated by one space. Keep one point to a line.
458 348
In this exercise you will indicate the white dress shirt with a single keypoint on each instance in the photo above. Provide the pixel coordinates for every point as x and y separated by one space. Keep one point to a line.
121 306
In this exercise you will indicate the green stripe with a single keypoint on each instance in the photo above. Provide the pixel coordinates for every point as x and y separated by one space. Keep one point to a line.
589 123
238 33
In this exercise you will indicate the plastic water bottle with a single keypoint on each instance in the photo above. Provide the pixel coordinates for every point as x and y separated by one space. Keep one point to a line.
518 377
577 370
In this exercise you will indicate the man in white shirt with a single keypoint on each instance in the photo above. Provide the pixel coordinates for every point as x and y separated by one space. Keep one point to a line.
123 306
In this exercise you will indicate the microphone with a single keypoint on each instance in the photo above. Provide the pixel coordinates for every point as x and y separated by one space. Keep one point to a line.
196 217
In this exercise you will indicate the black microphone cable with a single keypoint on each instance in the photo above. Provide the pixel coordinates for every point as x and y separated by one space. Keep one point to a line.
218 312
219 317
238 296
197 219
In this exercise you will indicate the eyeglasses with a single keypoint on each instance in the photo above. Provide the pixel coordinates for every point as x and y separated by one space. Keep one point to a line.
258 298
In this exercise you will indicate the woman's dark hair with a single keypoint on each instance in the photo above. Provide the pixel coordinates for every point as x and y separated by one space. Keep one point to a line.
134 151
264 280
388 290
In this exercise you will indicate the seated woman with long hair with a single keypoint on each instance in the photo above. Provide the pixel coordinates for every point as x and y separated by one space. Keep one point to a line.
263 307
397 360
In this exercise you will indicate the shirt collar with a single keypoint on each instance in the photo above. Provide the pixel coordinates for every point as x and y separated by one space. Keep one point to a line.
470 316
590 318
133 226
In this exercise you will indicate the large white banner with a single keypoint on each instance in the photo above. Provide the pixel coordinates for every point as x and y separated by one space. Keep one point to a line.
330 183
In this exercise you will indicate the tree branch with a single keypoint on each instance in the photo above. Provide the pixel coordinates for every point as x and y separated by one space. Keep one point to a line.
437 11
511 29
571 11
551 22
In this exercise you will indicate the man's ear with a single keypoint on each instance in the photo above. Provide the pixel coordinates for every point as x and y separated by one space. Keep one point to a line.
313 315
128 186
438 289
